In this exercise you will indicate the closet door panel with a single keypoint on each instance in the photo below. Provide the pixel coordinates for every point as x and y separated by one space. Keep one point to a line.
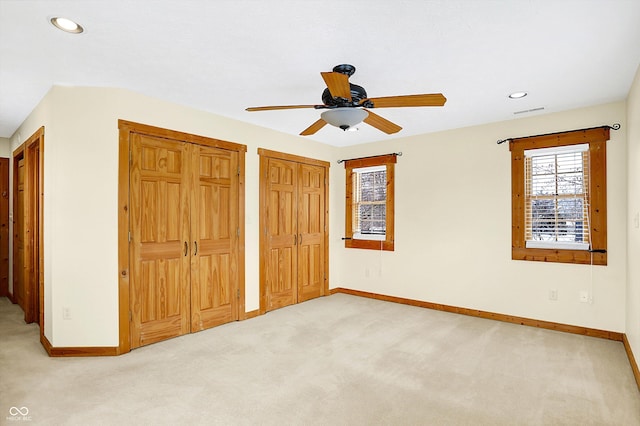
214 228
311 231
281 268
159 240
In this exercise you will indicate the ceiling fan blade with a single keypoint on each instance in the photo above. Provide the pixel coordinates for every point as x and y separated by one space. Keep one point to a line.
269 108
382 123
314 127
433 99
338 84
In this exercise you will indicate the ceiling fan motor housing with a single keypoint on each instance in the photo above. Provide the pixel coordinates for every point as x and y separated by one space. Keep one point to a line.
357 95
347 69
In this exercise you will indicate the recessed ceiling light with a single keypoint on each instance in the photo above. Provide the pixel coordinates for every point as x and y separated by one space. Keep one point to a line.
67 25
517 95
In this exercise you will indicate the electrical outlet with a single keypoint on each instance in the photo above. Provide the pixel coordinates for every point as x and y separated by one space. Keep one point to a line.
66 313
553 294
584 296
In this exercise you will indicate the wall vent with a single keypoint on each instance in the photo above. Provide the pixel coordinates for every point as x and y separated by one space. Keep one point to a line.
524 111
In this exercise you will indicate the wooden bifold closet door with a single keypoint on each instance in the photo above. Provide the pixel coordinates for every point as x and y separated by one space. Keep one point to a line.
184 238
293 217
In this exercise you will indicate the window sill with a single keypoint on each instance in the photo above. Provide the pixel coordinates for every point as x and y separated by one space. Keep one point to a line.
580 257
370 245
557 245
369 237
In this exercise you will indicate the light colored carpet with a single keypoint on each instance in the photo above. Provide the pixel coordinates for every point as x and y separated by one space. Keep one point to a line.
337 360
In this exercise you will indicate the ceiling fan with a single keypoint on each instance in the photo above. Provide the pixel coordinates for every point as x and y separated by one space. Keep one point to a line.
347 104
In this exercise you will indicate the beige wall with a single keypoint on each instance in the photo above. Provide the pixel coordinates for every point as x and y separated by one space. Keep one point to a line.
5 147
452 224
633 234
453 227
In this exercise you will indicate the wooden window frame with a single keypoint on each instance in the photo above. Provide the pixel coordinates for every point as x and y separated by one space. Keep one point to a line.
596 138
389 242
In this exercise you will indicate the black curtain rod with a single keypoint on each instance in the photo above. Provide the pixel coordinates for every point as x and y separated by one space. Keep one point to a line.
616 126
397 154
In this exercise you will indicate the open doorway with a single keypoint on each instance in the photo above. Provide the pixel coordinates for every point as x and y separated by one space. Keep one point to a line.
28 283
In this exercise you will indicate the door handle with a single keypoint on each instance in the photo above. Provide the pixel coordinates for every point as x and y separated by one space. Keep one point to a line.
295 240
299 238
195 249
186 248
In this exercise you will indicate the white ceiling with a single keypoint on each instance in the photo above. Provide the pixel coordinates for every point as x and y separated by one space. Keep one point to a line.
225 55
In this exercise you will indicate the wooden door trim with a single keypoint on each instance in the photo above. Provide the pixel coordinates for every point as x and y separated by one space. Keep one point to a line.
262 240
242 314
124 314
158 132
125 129
265 155
292 157
4 227
35 222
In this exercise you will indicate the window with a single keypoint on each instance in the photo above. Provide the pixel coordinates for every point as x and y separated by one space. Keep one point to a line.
556 197
559 197
369 203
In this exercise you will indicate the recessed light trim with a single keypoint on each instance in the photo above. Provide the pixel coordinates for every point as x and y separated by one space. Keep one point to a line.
66 25
518 95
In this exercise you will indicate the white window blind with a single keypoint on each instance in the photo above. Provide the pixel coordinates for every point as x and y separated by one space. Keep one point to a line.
369 203
557 197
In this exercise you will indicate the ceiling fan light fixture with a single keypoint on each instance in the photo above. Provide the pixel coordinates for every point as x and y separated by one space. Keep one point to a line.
344 118
66 25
